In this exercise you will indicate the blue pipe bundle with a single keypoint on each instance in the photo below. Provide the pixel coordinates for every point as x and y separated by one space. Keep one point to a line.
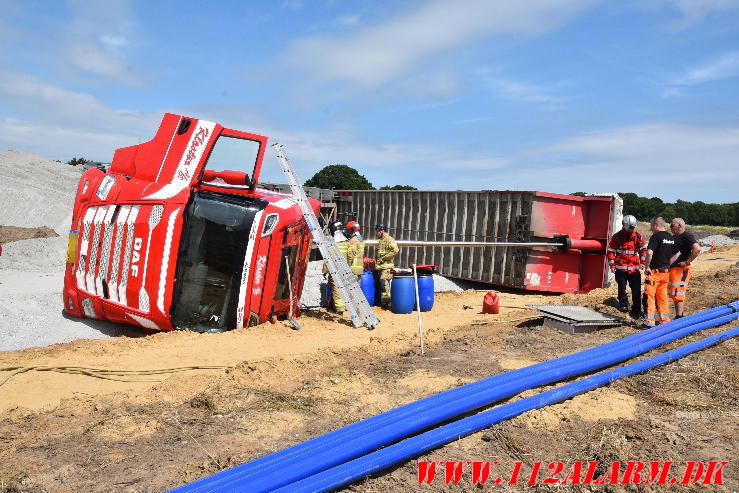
288 467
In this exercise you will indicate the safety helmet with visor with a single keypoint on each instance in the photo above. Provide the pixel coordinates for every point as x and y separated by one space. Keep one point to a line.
629 222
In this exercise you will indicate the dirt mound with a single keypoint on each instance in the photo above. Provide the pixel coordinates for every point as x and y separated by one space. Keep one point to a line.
14 233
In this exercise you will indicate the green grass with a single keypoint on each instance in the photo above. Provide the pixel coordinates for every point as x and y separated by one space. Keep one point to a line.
719 230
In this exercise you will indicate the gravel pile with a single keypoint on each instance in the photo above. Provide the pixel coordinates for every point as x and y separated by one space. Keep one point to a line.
36 255
717 240
36 191
31 281
311 295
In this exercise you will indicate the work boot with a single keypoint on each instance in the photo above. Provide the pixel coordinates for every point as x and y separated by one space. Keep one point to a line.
636 315
623 309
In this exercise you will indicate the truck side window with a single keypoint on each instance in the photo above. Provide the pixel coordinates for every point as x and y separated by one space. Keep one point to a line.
233 154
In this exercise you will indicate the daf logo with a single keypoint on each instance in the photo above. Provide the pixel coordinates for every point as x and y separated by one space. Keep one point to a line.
136 257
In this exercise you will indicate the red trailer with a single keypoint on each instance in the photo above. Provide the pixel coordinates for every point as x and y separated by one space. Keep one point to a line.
177 234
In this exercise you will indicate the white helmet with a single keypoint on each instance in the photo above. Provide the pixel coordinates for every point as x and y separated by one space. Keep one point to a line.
629 222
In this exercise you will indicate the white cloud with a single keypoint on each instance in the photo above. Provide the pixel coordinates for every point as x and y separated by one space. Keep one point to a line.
59 123
96 40
292 4
45 102
663 159
486 163
59 141
377 54
348 20
693 11
723 67
516 90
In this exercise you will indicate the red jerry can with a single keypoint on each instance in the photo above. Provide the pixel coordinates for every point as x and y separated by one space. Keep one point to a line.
490 304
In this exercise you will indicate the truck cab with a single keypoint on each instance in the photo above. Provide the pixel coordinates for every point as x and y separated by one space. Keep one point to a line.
176 234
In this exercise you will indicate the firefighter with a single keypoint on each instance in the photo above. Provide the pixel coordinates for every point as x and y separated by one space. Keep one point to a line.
337 231
661 253
626 252
353 228
353 252
680 269
385 254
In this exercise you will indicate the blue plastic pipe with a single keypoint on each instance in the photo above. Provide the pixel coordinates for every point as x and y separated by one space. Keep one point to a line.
275 477
412 447
287 457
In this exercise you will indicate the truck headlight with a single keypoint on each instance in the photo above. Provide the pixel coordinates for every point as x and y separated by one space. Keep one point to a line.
105 187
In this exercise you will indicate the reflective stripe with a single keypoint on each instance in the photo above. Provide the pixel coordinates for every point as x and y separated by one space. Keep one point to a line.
627 252
678 293
649 317
664 315
611 261
97 225
627 267
130 226
165 258
120 224
611 250
678 284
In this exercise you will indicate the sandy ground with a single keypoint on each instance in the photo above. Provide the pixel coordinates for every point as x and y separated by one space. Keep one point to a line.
72 432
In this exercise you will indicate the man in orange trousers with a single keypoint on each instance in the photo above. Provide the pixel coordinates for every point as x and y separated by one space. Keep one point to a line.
661 252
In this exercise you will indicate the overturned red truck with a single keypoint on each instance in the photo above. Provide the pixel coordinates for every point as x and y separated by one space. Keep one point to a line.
177 234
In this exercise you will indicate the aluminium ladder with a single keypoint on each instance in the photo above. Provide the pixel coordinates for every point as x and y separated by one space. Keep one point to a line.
346 282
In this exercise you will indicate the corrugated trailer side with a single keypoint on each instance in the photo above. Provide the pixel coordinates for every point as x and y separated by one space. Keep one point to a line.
491 216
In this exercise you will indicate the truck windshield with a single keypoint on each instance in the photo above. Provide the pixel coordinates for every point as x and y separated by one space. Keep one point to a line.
215 235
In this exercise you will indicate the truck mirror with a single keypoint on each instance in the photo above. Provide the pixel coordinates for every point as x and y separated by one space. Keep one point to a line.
230 177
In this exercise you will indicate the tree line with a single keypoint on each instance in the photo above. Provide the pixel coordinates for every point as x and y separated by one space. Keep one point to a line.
698 212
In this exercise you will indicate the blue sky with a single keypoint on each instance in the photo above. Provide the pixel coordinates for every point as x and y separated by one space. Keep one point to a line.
551 95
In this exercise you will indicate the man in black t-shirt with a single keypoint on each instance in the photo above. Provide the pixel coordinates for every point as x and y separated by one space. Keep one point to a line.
661 252
680 268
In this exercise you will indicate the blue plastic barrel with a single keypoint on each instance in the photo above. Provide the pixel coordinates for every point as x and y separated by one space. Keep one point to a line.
367 283
402 294
425 293
325 294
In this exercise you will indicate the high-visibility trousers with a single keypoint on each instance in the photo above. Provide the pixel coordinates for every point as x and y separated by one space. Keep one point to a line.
655 290
339 303
679 278
383 276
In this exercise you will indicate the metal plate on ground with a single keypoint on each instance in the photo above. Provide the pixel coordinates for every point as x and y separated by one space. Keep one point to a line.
576 319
